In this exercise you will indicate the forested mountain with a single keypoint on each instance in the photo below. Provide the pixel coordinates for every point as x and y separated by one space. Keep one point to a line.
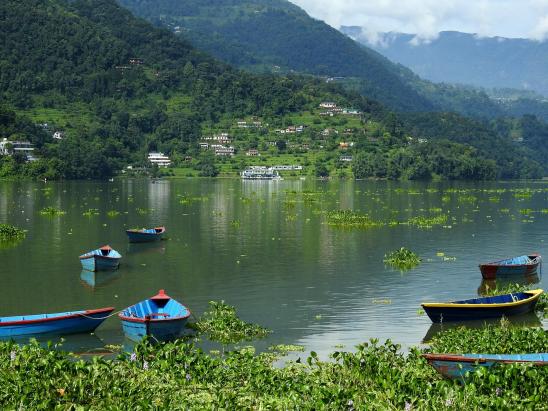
118 88
277 35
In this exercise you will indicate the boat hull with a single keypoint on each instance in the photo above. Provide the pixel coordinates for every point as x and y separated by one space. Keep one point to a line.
100 263
456 366
156 330
491 271
138 237
57 324
500 306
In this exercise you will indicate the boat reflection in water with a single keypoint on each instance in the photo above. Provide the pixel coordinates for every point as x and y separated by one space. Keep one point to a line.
96 279
503 281
147 248
524 320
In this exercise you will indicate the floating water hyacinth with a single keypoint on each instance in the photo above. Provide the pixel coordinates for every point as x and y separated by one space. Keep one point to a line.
113 213
351 219
403 259
51 211
10 233
91 212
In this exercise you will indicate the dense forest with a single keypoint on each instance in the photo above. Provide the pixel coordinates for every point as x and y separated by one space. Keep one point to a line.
118 87
261 35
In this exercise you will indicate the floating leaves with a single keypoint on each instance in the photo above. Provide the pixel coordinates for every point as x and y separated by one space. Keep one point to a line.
351 219
52 212
91 212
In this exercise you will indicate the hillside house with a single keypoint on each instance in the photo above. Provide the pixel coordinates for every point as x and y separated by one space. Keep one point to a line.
58 135
345 158
8 148
328 104
252 153
159 159
221 150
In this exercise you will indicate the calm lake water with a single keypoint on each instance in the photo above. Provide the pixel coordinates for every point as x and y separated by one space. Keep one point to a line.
265 248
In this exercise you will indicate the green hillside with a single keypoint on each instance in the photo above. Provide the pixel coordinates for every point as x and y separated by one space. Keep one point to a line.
118 88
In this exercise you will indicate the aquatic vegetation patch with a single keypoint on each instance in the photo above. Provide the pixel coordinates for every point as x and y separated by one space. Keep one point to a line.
113 213
220 323
181 376
143 211
403 259
11 233
351 219
286 348
91 212
427 222
491 339
52 211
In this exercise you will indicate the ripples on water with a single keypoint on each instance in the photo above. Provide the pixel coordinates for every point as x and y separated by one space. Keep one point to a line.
265 247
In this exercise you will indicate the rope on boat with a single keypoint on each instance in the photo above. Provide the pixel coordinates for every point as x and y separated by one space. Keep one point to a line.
100 318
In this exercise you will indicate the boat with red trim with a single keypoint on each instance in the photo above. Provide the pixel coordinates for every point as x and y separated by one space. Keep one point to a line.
70 322
145 235
497 306
457 365
161 318
103 258
521 265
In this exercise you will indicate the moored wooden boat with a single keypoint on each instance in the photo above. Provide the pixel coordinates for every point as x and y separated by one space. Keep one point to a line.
484 307
521 265
457 365
103 258
160 317
69 322
145 235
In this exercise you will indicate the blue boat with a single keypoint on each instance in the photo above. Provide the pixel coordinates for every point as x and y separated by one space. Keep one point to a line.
457 365
145 235
521 265
104 258
484 307
69 322
160 318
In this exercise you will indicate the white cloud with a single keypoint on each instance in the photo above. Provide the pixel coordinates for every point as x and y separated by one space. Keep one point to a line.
426 18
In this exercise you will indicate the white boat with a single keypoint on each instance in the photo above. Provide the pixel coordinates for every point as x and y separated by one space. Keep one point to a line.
260 173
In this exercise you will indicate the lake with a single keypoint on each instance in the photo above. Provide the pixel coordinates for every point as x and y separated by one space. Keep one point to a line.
265 247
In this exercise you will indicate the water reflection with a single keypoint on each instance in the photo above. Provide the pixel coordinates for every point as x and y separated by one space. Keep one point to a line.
96 279
525 320
501 282
146 248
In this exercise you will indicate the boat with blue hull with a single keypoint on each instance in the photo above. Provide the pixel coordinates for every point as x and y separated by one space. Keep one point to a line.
457 365
104 258
70 322
145 235
484 307
160 318
521 265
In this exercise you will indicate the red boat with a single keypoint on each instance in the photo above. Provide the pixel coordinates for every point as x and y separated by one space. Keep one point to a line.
522 265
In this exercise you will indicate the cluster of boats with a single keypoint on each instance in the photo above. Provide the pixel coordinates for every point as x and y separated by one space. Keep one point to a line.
160 317
498 306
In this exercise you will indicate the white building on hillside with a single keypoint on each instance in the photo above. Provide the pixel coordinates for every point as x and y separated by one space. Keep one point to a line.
159 159
8 148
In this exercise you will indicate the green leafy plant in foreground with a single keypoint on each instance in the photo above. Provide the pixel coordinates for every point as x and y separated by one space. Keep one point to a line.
11 233
51 211
221 324
403 259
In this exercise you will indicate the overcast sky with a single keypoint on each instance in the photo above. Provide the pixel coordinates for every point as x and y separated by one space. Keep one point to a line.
505 18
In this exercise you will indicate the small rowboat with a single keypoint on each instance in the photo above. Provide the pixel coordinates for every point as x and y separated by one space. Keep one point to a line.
160 317
485 307
457 365
104 258
70 322
145 235
522 265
